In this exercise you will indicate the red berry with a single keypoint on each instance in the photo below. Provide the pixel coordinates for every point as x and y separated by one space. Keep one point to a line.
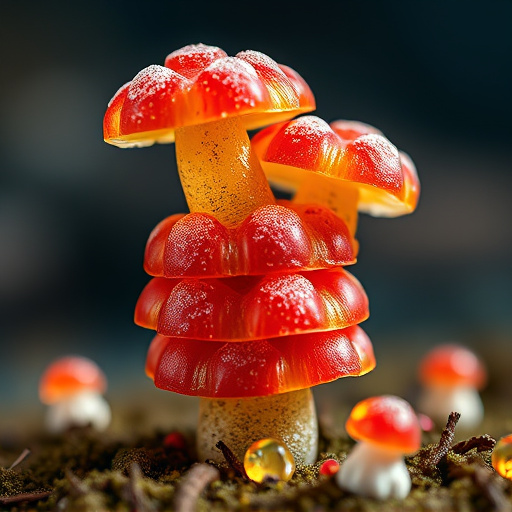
329 467
175 441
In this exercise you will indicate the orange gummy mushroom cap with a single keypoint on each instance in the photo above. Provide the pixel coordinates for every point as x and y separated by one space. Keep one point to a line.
68 376
273 238
452 365
387 421
258 368
354 153
200 84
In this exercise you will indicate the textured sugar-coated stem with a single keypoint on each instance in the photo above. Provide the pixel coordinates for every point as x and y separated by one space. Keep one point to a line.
288 417
219 171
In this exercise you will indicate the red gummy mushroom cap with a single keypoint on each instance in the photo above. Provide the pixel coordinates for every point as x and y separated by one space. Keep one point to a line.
387 421
68 376
199 84
452 365
258 368
354 153
273 238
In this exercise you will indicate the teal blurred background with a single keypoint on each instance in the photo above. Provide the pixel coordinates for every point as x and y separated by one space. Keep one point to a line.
75 213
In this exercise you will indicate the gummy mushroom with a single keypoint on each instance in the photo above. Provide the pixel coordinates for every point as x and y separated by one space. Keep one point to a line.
206 101
451 376
386 428
347 165
73 389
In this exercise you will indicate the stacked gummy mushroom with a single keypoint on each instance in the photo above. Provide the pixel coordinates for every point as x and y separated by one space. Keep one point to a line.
250 298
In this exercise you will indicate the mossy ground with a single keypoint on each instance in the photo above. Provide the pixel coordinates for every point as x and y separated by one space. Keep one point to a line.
86 471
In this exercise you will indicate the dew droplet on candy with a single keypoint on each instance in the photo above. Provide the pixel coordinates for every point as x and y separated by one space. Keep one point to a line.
502 457
269 460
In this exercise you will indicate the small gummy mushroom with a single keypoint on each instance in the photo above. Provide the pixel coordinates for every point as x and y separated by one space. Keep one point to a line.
386 428
502 457
73 388
348 166
451 376
206 101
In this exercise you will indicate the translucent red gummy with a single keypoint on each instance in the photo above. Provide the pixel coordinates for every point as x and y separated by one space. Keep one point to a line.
199 84
258 368
274 238
248 308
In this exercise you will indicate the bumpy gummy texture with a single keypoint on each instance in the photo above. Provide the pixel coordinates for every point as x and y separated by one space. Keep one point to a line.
355 154
387 421
200 84
70 375
249 308
258 368
274 238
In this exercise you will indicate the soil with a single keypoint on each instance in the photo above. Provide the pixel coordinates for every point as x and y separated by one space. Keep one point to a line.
83 470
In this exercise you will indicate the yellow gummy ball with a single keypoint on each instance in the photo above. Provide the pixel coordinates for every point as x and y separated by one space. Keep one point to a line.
269 459
502 457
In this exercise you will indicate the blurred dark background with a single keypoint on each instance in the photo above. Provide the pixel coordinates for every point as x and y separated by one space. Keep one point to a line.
75 213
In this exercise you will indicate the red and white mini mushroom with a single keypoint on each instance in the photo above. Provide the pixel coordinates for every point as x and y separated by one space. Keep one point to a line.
451 376
386 428
73 388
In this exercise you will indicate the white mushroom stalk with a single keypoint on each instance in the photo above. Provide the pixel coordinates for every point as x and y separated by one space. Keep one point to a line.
86 408
374 472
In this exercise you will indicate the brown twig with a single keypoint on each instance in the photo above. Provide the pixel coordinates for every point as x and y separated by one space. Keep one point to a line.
231 459
136 495
439 451
483 478
481 443
79 487
28 496
24 454
195 481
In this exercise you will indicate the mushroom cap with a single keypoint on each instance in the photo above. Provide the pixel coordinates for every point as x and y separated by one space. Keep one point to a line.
387 421
273 238
199 84
248 308
258 368
68 376
354 153
452 365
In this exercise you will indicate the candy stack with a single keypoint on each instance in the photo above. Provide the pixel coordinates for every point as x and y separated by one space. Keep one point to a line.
250 297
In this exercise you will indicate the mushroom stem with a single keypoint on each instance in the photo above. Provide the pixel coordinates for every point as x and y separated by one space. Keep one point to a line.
342 199
238 422
219 171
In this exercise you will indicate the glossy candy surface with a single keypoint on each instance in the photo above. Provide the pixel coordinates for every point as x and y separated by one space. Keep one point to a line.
68 376
258 368
269 459
502 457
248 308
274 238
353 154
387 421
329 467
200 84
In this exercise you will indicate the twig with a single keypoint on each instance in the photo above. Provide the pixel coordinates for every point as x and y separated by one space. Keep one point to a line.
24 454
28 496
483 478
136 495
481 443
232 460
195 481
79 487
440 450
